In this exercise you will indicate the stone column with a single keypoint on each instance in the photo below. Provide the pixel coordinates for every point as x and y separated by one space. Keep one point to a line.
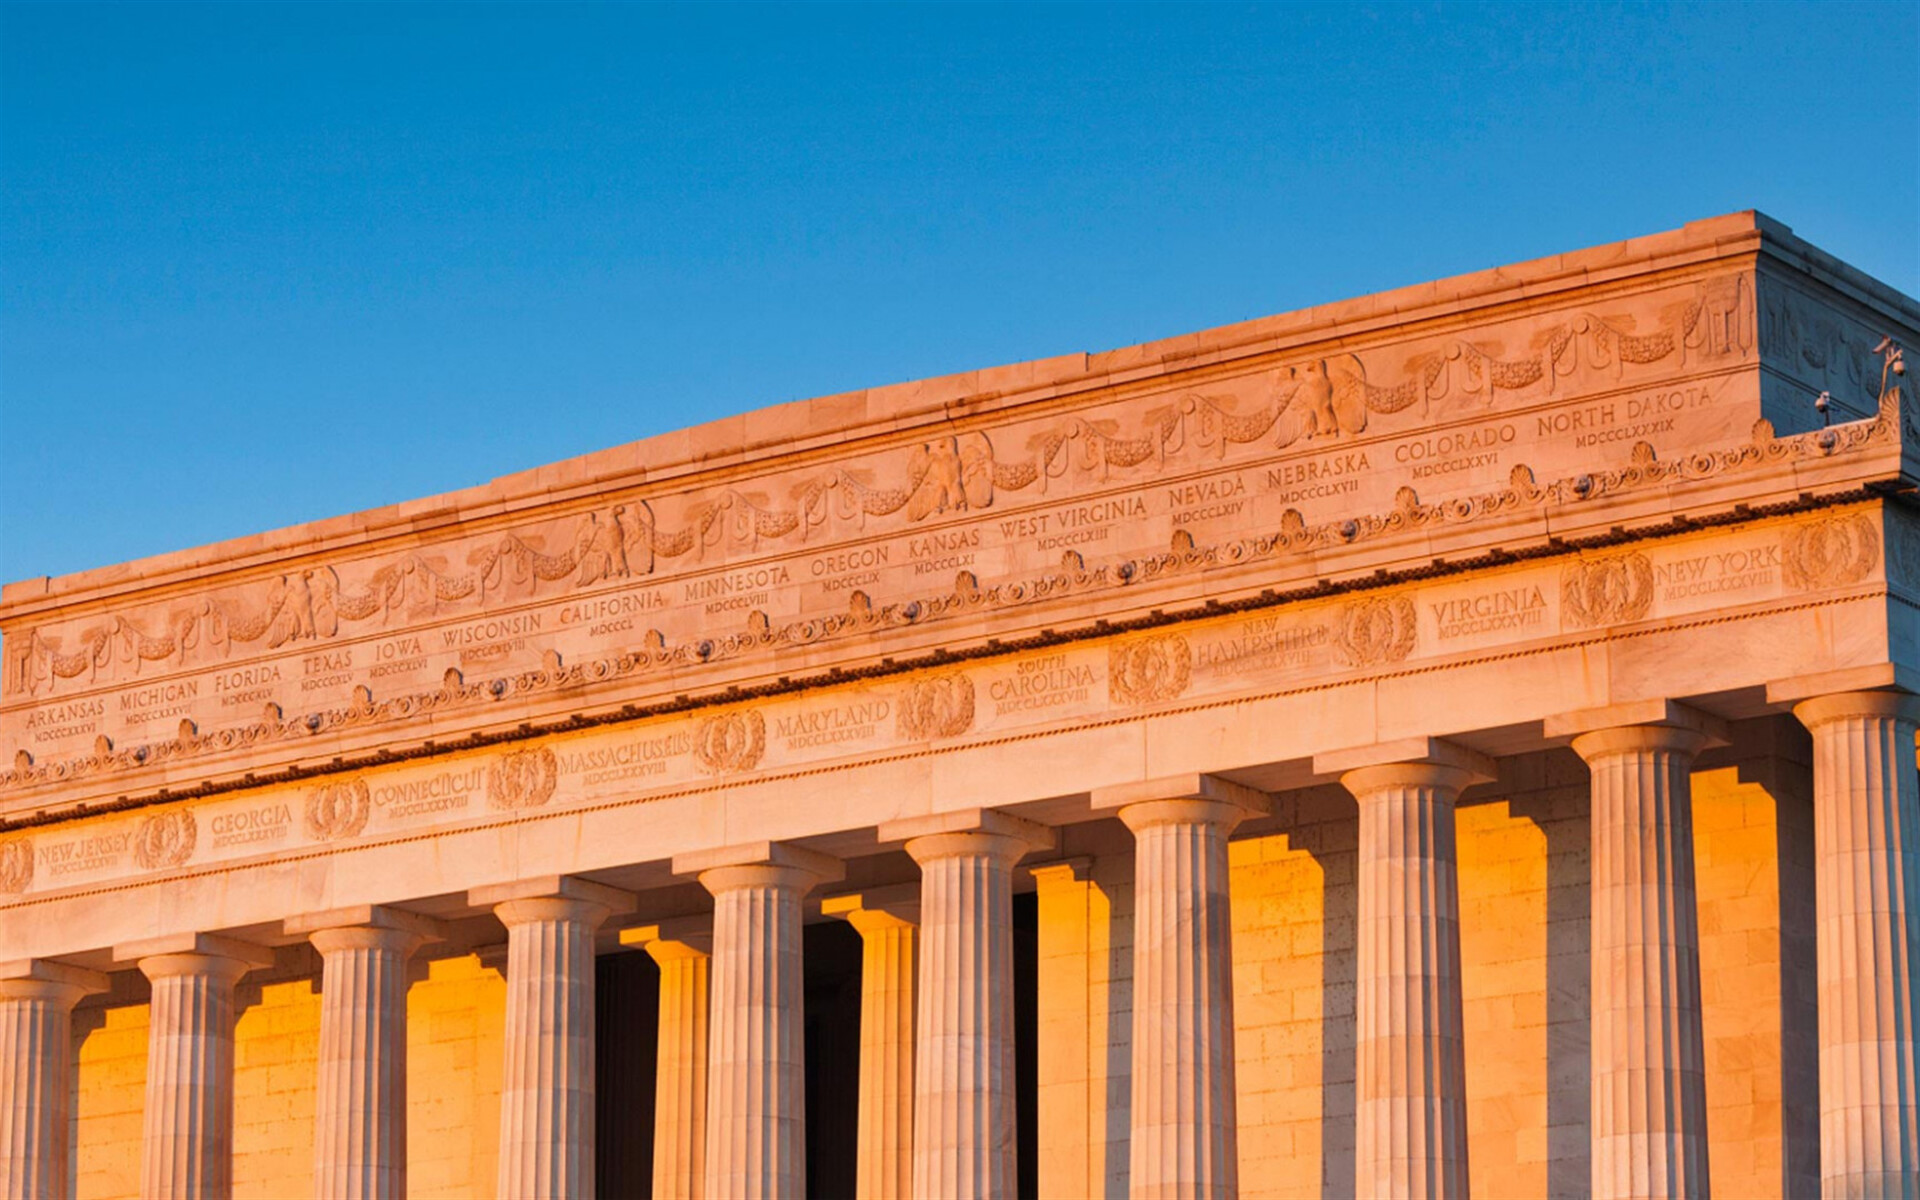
360 1104
682 949
756 1055
1866 811
963 1090
187 1151
36 1096
888 921
1410 1112
1649 1109
1184 1132
546 1086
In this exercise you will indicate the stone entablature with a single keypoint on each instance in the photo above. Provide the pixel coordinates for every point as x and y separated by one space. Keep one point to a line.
1638 618
1506 424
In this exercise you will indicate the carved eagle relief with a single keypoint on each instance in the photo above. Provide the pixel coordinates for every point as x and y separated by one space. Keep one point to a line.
1320 399
950 474
300 606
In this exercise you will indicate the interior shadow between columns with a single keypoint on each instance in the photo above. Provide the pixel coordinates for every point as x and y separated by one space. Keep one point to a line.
1563 812
1324 822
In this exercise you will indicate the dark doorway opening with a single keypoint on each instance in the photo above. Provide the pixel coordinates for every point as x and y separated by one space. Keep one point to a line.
831 954
1026 1041
626 1043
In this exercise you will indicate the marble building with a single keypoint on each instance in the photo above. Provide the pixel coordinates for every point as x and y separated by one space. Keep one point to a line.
1456 741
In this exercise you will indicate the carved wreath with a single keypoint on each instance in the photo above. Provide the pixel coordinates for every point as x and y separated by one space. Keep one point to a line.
16 865
1147 671
337 810
522 778
937 706
732 741
1379 629
166 839
1607 591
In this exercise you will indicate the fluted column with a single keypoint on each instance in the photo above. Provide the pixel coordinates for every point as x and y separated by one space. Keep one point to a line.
546 1086
888 921
682 949
1184 1139
36 1097
1649 1086
1866 801
1410 1112
187 1150
963 1091
756 1049
360 1104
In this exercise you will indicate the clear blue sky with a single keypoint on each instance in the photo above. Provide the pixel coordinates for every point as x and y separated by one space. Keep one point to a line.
265 264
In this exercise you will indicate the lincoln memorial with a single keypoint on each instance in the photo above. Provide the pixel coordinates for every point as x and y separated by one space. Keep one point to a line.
1459 741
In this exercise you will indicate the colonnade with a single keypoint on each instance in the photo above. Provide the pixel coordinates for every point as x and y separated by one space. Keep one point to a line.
936 1074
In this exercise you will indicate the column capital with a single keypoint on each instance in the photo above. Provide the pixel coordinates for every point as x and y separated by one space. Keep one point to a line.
43 978
1835 706
754 863
876 908
546 896
184 953
675 938
366 916
1657 712
1889 677
1638 725
1182 799
1414 760
968 831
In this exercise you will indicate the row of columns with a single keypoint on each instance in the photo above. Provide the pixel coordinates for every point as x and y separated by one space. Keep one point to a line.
938 961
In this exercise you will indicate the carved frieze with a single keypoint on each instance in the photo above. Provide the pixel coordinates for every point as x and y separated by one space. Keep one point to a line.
1679 587
968 594
1315 402
1026 513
